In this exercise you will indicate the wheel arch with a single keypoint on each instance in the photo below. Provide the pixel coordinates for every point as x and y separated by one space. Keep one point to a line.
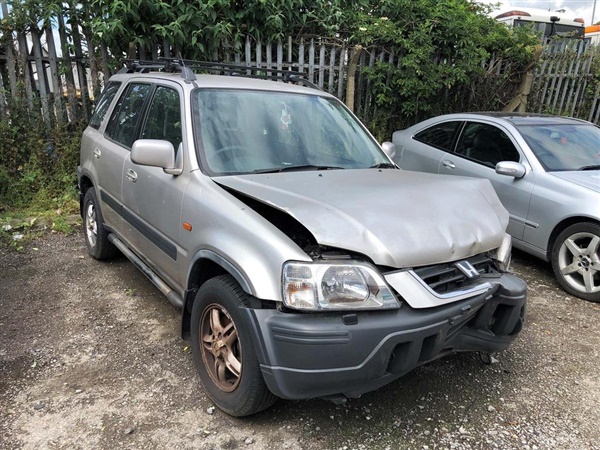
205 265
85 182
563 225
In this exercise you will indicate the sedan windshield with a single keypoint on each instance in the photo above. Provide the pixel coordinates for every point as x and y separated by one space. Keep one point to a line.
564 147
259 132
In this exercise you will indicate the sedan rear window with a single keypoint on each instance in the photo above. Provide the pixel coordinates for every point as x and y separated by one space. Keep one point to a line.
440 135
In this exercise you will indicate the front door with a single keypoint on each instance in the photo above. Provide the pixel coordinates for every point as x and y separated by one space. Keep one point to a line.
152 199
480 147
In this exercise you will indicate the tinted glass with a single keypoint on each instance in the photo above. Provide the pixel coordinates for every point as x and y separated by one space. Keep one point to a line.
564 147
548 30
163 120
440 135
127 113
486 144
103 103
246 131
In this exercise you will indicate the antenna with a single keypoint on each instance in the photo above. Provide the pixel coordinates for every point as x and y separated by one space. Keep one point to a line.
187 74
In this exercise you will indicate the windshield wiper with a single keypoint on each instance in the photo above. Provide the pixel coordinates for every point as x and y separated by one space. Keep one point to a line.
384 165
591 167
294 168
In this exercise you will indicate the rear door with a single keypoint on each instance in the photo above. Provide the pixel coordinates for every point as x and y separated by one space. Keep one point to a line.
112 151
97 163
425 150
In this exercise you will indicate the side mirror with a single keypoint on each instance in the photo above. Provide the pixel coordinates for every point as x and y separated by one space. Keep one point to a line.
155 153
389 149
511 169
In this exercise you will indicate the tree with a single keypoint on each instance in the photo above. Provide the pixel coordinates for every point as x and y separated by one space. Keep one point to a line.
440 50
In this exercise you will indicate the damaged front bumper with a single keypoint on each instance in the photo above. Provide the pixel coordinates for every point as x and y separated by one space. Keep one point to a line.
332 355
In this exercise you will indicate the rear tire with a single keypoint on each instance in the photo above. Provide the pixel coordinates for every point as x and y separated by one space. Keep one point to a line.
223 349
576 260
96 236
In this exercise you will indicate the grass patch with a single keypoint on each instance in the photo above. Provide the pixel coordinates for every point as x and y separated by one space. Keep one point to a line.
38 179
19 226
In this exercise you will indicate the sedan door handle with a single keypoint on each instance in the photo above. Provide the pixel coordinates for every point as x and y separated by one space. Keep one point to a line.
449 164
131 176
97 153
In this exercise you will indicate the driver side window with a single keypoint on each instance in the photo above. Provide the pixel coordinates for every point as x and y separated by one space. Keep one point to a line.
486 144
163 120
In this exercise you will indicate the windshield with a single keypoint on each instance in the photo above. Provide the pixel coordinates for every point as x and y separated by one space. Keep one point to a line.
564 147
253 132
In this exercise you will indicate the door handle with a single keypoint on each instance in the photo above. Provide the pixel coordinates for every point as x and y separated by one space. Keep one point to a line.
448 164
97 153
131 176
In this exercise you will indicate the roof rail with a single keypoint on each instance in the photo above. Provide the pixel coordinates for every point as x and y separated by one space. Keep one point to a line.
187 67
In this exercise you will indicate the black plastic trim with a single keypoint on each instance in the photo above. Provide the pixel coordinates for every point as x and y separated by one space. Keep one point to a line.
112 202
169 248
318 355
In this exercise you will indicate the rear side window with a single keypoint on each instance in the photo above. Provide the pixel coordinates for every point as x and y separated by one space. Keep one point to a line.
440 135
103 103
124 120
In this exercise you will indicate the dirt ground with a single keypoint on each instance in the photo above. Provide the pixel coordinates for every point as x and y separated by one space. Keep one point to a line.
90 358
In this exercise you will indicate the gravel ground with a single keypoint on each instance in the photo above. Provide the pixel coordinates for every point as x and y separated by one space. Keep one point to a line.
90 357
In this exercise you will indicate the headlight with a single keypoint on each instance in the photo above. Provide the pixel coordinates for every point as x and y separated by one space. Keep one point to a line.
502 254
335 286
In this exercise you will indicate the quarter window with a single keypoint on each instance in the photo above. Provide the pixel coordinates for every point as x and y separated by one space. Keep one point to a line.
440 135
486 144
103 103
127 113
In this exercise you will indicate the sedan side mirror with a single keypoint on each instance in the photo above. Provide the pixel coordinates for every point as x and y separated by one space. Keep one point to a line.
155 153
511 169
389 149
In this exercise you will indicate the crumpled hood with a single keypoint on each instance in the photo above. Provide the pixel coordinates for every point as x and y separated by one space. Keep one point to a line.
397 218
586 178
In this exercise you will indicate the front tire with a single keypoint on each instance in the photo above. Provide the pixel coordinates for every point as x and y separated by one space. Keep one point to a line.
223 349
576 260
96 236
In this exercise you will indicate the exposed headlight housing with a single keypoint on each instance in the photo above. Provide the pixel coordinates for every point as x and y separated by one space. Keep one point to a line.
335 286
502 255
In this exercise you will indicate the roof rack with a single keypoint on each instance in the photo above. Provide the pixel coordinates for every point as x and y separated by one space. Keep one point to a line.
187 66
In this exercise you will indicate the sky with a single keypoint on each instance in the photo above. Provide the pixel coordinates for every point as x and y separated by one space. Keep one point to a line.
579 8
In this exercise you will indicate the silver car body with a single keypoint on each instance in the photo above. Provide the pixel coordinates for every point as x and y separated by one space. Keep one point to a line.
420 227
540 203
174 218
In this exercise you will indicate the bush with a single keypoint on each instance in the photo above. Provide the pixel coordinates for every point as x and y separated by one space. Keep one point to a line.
442 54
37 161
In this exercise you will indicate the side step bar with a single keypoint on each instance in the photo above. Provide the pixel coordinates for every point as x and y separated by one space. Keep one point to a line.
171 295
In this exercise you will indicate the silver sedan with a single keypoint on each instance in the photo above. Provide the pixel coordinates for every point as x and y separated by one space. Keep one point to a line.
546 171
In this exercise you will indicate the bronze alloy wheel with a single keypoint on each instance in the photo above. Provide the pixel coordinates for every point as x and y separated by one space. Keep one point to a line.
221 348
221 332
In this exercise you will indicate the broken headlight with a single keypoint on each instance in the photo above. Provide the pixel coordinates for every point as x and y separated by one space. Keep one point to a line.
502 254
335 286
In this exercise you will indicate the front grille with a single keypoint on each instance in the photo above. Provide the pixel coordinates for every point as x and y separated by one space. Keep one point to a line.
444 278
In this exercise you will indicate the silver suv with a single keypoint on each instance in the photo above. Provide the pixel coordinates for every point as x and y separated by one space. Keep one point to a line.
305 263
